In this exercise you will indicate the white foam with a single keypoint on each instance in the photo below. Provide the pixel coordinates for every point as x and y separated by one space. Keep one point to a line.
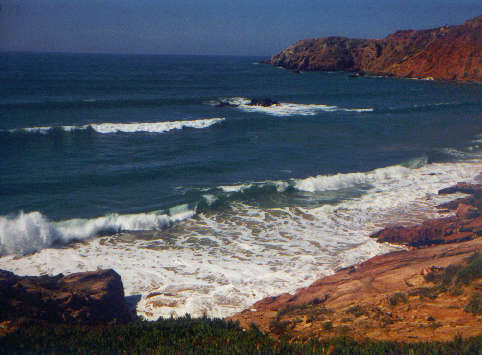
106 128
235 188
209 198
30 232
288 109
219 263
280 186
341 181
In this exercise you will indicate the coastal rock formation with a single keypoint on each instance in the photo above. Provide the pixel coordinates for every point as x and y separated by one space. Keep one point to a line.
83 298
264 102
430 292
447 52
465 225
388 297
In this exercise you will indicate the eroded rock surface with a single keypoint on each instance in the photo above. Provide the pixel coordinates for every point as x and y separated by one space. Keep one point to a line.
448 52
465 225
382 298
83 298
396 296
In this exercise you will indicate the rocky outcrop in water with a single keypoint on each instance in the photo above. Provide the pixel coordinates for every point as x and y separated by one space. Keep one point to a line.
465 225
82 298
264 102
448 52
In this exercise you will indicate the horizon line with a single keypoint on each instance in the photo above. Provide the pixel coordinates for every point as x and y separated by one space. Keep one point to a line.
3 51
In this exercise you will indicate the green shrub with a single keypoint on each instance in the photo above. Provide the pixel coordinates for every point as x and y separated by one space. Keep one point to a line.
458 274
397 298
278 327
202 336
472 271
452 278
357 311
475 304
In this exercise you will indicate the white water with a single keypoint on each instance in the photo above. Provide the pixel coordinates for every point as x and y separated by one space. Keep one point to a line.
106 128
30 232
341 181
288 109
220 263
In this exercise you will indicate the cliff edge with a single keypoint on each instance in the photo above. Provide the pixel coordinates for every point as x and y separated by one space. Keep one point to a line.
445 53
429 292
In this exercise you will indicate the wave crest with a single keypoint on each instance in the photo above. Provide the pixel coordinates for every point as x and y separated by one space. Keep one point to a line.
134 127
27 233
342 181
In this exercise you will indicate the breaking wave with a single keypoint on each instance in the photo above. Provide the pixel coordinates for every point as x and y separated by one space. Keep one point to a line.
134 127
27 233
284 109
341 181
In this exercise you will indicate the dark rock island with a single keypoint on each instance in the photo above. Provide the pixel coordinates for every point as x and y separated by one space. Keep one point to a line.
447 53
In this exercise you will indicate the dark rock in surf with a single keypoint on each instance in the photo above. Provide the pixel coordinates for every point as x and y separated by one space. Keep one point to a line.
82 298
266 102
225 104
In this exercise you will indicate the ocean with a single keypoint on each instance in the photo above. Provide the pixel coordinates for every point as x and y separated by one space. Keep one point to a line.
157 167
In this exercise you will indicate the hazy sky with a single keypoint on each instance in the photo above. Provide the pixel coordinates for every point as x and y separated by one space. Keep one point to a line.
232 27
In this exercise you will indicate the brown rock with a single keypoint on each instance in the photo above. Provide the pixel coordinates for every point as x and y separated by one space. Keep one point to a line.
467 211
357 300
383 298
448 52
463 187
465 225
432 232
83 298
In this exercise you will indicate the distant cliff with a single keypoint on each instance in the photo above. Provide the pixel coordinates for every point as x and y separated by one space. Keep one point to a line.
448 53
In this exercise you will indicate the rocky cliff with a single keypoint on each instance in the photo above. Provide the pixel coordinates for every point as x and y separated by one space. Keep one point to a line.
448 52
84 298
432 291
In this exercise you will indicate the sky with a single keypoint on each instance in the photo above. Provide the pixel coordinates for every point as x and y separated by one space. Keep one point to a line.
211 27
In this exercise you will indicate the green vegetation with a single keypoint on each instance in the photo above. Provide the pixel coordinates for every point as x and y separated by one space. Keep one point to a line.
475 304
201 336
451 279
312 309
357 311
396 298
216 336
279 327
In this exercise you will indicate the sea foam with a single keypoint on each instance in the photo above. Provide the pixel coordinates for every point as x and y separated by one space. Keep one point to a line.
341 181
221 261
287 109
134 127
27 233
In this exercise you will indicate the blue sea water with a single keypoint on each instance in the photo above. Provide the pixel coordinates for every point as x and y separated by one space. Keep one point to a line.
94 145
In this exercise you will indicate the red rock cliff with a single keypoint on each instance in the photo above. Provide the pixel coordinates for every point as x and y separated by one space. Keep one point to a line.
448 52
